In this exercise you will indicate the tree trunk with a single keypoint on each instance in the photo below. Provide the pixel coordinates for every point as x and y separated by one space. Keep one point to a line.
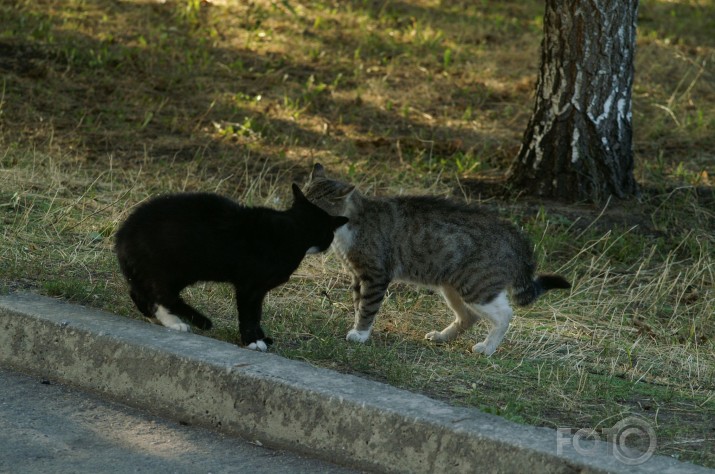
577 145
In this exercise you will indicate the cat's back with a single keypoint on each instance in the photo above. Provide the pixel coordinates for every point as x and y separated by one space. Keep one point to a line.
185 218
183 207
423 212
428 227
429 205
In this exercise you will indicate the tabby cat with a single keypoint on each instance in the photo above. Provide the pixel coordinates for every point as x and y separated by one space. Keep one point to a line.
471 255
176 240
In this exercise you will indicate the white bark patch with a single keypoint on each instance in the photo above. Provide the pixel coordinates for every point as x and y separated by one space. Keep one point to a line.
611 97
607 104
622 108
575 100
574 145
539 133
556 99
622 115
538 151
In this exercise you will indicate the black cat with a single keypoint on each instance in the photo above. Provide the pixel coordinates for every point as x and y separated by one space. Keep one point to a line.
176 240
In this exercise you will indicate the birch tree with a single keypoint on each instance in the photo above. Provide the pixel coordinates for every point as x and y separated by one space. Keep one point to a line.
577 145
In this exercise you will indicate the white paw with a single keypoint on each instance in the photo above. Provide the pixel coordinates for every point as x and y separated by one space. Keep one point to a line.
483 348
357 336
434 336
259 345
182 327
171 321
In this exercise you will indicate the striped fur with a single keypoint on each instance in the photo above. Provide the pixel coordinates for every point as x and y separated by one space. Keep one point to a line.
471 255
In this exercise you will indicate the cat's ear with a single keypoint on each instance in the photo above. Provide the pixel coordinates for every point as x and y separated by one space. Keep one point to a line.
318 171
339 221
343 191
297 194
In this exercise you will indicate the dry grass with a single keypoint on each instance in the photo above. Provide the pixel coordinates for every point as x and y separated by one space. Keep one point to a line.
104 104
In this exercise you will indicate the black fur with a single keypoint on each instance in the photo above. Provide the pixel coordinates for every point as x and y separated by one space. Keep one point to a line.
540 285
552 282
176 240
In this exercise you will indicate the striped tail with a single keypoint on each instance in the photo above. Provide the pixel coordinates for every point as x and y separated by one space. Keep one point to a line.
528 294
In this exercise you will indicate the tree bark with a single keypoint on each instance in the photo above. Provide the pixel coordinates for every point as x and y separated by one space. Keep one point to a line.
578 143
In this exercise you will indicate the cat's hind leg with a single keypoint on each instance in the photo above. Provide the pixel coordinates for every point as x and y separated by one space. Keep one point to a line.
499 313
170 320
464 317
143 303
146 304
173 312
186 312
372 292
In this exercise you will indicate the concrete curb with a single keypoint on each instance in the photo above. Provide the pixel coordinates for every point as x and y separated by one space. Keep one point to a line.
280 402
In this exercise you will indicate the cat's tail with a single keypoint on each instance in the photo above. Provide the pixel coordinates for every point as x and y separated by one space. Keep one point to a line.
528 293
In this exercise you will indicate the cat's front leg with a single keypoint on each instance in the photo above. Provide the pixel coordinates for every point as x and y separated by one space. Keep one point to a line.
464 317
372 292
250 307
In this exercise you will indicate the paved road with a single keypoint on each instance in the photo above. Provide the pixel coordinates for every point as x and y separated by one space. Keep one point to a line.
50 428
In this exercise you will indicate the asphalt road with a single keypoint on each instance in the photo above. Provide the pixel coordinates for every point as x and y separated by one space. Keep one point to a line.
50 428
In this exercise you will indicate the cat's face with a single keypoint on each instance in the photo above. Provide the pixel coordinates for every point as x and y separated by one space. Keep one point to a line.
328 194
319 226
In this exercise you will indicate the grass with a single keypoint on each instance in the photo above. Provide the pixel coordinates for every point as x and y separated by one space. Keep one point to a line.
104 104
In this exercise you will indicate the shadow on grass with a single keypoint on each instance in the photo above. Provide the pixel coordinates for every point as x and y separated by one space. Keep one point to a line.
167 93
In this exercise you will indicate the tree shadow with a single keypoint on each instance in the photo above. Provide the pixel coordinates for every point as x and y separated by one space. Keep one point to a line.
171 88
170 94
